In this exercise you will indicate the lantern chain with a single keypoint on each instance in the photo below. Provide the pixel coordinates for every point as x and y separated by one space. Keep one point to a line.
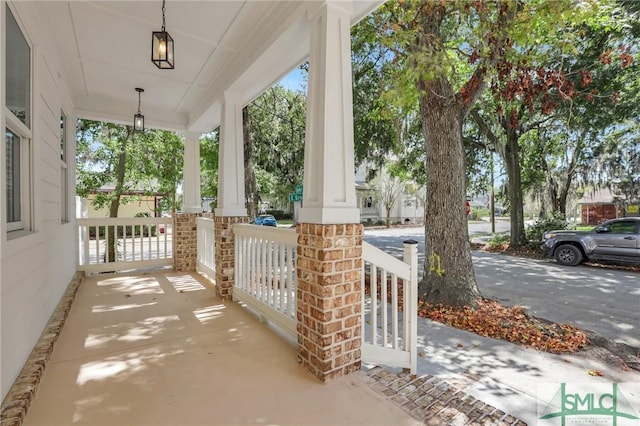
163 21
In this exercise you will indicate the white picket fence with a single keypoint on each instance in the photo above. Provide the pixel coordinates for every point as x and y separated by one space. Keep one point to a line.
265 273
206 247
390 334
140 242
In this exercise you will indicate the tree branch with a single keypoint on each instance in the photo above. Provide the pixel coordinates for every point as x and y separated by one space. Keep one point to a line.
474 88
485 129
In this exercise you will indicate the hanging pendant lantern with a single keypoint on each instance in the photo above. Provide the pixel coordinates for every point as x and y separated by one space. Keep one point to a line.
162 46
138 118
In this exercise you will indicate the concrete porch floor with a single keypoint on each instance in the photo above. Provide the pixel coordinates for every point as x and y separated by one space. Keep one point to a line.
161 349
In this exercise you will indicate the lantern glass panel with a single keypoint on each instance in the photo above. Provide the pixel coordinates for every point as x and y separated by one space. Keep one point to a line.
138 123
162 50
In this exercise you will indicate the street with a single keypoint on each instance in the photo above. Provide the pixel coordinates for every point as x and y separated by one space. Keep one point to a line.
602 300
390 240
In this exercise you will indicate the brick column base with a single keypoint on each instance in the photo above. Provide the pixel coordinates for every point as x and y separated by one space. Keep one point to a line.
225 253
329 299
185 242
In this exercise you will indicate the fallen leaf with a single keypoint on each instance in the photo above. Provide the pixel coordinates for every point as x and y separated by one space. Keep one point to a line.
460 345
489 317
422 354
127 295
596 373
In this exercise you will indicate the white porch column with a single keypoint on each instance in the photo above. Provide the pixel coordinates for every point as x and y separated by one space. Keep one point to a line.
329 195
191 173
231 198
329 261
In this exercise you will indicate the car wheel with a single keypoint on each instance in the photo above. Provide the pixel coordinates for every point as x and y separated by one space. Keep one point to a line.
568 255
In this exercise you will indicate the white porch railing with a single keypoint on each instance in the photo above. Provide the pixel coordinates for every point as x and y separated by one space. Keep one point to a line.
265 279
390 334
206 249
265 273
140 242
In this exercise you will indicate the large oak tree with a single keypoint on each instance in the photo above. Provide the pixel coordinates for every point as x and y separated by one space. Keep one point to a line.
449 52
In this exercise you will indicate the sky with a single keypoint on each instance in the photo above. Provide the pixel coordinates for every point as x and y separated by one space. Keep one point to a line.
295 80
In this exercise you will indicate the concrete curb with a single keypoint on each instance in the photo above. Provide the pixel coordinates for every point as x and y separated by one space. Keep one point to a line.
16 404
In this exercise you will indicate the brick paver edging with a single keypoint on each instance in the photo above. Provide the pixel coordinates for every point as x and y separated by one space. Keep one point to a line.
17 402
434 401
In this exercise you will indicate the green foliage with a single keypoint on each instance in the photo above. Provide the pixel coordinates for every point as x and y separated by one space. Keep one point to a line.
616 162
376 122
277 126
280 215
478 213
113 156
555 221
209 149
497 240
145 230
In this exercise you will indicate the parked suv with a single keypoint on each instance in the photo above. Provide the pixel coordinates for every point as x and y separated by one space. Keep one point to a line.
616 240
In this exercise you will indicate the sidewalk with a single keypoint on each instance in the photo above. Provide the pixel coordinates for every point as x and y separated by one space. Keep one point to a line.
513 379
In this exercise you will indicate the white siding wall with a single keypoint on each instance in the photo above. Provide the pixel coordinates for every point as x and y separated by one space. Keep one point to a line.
35 269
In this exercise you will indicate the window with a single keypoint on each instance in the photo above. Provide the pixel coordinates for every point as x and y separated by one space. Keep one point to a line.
14 206
623 227
17 130
18 71
18 181
64 176
369 202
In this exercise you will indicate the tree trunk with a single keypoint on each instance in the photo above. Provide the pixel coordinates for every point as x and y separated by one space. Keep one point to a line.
562 197
249 174
514 175
388 217
115 201
549 197
564 190
553 193
448 277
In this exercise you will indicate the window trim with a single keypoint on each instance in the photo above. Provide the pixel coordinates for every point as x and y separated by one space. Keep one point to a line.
8 113
14 124
25 224
64 167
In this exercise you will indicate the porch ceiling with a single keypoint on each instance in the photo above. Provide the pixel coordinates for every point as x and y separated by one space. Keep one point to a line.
242 45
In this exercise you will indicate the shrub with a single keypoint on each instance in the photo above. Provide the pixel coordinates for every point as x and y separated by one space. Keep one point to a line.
497 240
555 221
145 228
280 214
478 213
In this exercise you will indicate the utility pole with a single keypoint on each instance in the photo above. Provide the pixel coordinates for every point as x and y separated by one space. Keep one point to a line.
492 204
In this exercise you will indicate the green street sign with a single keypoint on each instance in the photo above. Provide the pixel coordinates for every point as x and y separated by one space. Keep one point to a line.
296 195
